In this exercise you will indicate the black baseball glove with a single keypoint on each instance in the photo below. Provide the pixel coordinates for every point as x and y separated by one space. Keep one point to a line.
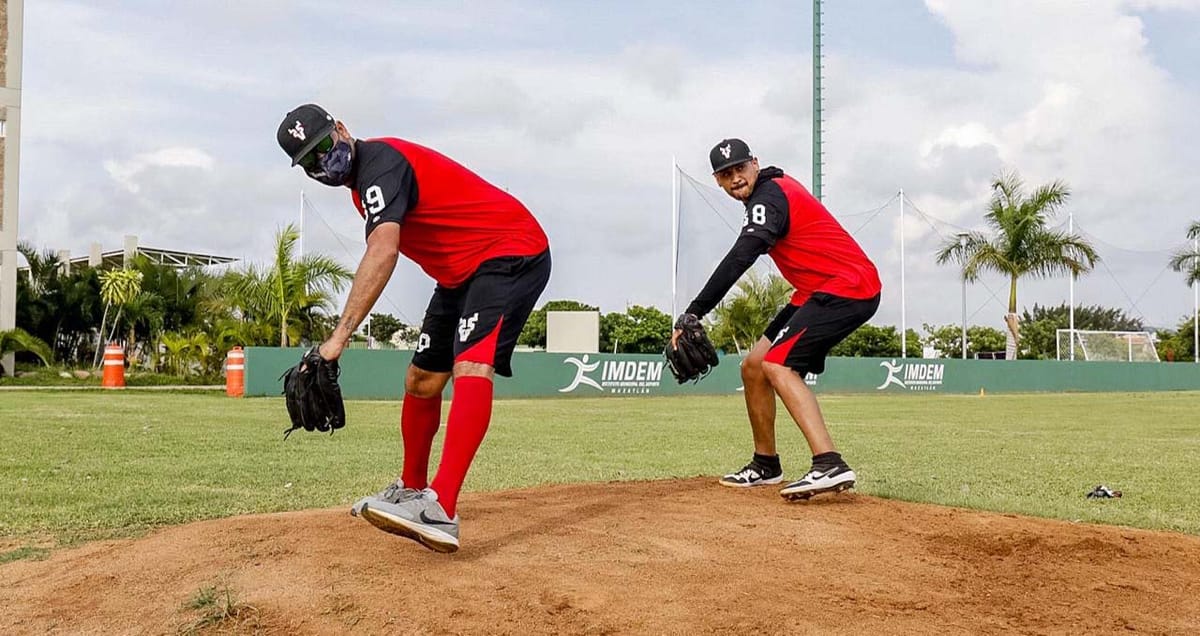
314 399
693 355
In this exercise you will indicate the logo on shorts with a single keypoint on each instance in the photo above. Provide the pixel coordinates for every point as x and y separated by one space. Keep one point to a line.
466 326
616 376
726 150
779 336
298 131
914 376
423 342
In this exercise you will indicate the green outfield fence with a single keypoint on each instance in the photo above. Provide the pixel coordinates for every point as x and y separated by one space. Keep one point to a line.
379 374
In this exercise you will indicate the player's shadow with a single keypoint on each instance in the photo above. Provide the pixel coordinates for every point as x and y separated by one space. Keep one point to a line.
535 527
840 498
835 499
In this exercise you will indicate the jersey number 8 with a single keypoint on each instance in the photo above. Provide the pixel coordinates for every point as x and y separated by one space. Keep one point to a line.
756 215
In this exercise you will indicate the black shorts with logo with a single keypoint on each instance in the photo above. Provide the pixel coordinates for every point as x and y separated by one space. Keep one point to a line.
480 320
802 335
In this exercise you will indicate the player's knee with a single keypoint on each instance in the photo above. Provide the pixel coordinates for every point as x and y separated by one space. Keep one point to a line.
752 369
775 373
476 369
424 384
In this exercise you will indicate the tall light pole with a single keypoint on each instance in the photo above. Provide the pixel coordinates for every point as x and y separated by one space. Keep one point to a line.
962 246
818 68
1196 307
903 301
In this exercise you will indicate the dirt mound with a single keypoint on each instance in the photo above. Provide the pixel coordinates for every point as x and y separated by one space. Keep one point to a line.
674 557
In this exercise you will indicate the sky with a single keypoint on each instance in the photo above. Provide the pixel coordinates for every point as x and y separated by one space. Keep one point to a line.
158 120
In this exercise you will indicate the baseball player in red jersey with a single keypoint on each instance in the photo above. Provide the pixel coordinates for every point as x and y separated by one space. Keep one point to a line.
491 261
837 291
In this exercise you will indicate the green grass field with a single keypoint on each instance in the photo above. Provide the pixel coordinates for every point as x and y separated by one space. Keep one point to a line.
76 466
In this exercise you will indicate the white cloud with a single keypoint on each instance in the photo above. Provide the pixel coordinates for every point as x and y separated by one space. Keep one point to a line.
1142 5
126 173
176 144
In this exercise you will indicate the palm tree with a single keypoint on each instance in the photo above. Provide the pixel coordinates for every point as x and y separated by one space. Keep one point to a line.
288 287
17 340
37 308
44 267
1187 260
175 348
78 304
1021 243
143 314
117 287
744 317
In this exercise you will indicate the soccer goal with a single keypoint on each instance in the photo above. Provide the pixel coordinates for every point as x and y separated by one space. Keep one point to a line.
1127 346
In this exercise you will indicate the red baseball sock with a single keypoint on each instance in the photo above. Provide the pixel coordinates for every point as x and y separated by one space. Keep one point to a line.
419 421
470 412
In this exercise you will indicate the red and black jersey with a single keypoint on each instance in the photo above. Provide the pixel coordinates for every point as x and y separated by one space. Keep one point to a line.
810 248
451 219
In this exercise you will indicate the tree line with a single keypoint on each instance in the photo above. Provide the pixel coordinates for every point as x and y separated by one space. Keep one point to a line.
182 321
172 320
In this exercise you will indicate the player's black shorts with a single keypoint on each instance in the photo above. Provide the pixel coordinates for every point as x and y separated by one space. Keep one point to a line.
802 335
480 320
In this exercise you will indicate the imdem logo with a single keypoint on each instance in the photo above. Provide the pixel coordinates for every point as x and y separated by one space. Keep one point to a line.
914 376
616 376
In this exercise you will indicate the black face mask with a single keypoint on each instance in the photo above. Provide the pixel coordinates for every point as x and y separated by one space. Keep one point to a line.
335 166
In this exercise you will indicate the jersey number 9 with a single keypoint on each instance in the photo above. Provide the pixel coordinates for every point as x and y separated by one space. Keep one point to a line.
374 199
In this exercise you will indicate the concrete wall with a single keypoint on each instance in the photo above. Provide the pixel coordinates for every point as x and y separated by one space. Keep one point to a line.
11 19
573 331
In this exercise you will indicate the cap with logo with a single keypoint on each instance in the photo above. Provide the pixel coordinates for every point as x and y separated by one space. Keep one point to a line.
730 152
302 129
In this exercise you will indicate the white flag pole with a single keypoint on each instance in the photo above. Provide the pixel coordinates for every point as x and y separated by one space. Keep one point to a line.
674 234
1071 313
302 223
903 305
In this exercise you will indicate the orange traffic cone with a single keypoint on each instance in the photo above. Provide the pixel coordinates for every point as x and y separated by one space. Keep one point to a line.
114 367
235 372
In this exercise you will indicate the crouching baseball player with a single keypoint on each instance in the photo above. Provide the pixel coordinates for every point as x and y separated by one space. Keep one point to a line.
836 290
491 261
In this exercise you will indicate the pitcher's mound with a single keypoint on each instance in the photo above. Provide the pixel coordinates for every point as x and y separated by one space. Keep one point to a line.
673 557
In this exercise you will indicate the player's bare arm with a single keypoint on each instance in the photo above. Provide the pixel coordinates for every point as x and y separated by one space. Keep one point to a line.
374 272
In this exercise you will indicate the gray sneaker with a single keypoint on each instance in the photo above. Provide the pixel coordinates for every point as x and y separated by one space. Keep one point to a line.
394 493
420 518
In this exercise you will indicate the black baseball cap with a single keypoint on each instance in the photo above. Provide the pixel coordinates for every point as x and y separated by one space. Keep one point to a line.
729 152
302 129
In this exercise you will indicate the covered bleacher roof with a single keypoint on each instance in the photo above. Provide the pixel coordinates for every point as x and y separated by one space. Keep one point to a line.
175 258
